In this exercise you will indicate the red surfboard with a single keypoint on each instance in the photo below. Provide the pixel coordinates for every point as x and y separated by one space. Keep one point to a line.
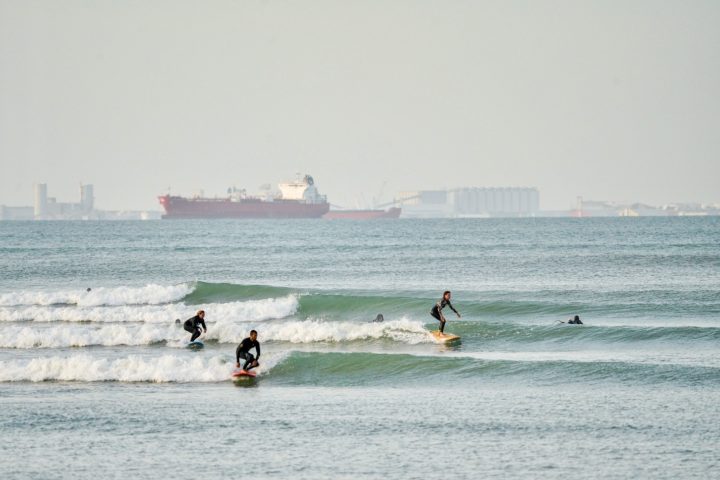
243 373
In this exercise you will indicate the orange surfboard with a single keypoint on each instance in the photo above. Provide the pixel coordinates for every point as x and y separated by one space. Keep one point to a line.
444 337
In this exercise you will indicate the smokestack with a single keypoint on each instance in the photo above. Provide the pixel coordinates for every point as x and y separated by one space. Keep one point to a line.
87 198
40 200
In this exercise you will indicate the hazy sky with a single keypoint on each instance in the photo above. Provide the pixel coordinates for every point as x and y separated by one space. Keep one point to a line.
614 100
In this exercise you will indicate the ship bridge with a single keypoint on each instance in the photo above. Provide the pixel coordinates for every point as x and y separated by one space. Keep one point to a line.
303 190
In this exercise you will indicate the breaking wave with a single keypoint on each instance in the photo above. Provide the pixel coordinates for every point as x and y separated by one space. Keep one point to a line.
313 331
134 368
148 295
308 331
240 311
364 305
368 368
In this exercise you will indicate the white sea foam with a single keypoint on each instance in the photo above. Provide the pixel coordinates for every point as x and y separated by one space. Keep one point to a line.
82 336
313 331
86 368
255 310
308 331
148 295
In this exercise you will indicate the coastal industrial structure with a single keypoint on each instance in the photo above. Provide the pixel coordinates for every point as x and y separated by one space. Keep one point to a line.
603 208
301 198
482 202
49 208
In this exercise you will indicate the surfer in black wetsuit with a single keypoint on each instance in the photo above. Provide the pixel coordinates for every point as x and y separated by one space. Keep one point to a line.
193 324
437 309
575 321
243 351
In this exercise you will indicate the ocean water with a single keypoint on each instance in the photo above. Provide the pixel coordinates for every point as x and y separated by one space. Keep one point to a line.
100 384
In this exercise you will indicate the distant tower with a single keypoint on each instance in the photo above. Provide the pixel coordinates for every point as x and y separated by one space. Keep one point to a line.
87 198
40 200
579 207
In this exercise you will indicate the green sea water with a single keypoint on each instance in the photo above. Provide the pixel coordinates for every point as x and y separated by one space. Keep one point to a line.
99 383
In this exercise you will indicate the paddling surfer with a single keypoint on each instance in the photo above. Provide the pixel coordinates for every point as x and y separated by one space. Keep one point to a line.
437 309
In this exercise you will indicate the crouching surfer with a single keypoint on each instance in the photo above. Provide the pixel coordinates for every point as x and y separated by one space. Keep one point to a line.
243 351
193 324
437 309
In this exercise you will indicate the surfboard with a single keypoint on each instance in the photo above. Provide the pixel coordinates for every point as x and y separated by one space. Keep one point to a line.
444 337
196 345
239 373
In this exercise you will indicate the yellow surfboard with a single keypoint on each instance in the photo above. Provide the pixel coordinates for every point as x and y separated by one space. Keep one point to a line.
444 337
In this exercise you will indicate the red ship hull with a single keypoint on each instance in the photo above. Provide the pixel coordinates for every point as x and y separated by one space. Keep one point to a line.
362 214
180 207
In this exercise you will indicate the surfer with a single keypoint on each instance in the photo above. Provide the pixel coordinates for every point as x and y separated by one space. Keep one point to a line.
379 318
243 351
193 324
437 309
575 321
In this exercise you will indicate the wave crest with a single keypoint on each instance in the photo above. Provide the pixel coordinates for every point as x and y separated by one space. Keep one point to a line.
241 311
134 368
309 331
151 294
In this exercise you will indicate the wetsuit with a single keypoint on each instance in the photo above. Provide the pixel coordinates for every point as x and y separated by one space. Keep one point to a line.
192 325
243 351
575 321
437 311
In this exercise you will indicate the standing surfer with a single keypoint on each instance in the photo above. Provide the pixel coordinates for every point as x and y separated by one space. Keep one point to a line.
243 351
437 309
193 324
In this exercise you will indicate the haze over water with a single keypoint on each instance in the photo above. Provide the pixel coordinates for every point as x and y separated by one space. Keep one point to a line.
602 99
100 383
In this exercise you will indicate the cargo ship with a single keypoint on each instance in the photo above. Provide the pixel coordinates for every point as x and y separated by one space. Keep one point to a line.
297 199
363 214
